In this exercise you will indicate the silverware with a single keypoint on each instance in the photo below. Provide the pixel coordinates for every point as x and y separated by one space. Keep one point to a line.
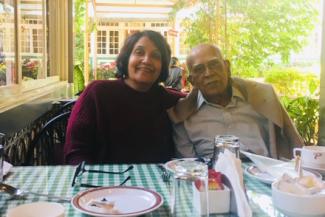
18 193
165 175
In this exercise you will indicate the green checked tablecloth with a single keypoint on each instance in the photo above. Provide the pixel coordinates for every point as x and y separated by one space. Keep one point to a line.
57 180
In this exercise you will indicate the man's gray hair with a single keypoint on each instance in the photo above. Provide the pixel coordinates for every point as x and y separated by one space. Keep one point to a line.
189 58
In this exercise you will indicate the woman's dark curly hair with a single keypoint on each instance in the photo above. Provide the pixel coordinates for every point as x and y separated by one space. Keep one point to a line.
122 60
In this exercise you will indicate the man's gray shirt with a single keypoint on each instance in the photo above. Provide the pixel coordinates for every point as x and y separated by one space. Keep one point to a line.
195 136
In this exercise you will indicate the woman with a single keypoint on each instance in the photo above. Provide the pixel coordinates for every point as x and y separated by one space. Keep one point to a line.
126 121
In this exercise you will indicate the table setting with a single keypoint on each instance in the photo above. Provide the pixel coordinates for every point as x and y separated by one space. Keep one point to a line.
297 185
112 190
267 170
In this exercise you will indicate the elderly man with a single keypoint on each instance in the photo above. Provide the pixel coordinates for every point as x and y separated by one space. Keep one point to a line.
247 109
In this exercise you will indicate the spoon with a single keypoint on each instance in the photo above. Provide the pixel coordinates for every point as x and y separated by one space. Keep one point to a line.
16 192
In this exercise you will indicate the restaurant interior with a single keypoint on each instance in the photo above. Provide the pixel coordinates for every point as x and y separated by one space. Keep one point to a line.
50 50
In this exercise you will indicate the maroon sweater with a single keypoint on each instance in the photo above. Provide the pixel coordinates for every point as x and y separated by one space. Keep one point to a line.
113 123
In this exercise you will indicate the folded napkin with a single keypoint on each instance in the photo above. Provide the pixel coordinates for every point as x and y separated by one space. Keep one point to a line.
262 162
276 168
230 166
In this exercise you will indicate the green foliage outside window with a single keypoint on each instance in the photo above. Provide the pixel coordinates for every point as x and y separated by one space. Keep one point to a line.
79 23
304 111
300 96
78 79
249 32
292 83
79 20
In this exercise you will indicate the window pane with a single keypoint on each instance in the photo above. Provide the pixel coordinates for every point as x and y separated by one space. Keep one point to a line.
32 40
7 45
101 42
113 42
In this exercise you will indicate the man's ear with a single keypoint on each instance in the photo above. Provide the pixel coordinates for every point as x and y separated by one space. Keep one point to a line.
227 65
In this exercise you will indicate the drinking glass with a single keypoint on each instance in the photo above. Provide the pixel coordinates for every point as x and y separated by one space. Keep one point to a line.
189 195
222 142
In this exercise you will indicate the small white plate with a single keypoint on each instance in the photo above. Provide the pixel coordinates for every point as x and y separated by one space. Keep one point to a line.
37 209
170 165
117 201
6 167
254 172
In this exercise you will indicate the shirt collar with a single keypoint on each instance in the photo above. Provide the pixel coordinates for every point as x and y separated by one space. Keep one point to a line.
235 94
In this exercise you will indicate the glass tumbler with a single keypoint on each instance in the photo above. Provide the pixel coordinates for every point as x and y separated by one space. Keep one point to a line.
222 142
189 195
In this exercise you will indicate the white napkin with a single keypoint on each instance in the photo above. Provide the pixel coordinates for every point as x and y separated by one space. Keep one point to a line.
276 168
262 162
230 166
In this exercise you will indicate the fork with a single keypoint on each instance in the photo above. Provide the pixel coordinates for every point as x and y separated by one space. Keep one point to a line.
165 175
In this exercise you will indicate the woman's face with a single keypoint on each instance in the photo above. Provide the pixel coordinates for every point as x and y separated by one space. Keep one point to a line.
144 66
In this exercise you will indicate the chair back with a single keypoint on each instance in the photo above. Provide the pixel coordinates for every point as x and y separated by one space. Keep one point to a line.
67 106
47 146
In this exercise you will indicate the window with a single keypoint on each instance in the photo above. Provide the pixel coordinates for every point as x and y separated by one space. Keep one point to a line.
113 42
25 70
165 24
32 40
101 42
135 24
107 23
25 40
37 40
7 45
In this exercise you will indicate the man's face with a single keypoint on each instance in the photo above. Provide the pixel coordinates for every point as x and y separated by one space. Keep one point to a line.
209 72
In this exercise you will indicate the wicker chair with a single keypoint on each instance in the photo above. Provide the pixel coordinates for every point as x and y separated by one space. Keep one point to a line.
47 146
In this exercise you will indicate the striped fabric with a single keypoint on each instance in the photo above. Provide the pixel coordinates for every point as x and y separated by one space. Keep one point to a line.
57 180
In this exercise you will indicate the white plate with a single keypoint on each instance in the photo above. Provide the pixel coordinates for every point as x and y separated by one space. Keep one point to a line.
37 209
117 201
6 167
170 165
254 172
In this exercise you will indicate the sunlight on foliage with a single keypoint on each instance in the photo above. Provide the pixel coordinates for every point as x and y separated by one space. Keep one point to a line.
292 83
250 32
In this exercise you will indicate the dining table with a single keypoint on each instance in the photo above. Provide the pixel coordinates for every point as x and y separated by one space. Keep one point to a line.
56 180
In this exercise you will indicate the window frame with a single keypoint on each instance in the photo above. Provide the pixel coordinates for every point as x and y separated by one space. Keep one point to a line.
47 84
